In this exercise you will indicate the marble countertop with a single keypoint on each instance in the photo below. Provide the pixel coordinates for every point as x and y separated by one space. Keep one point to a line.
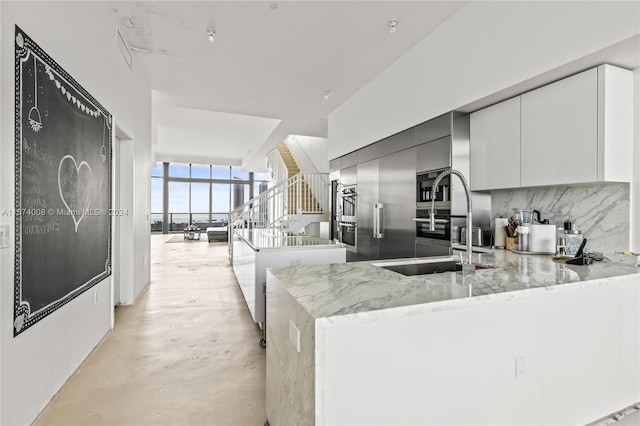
352 288
262 239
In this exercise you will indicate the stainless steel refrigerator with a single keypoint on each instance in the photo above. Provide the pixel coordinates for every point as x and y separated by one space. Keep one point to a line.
386 206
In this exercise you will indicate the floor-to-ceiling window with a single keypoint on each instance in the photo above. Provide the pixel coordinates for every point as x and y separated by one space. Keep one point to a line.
199 194
157 196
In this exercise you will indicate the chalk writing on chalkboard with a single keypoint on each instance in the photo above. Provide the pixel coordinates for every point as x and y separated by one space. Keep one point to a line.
74 183
63 166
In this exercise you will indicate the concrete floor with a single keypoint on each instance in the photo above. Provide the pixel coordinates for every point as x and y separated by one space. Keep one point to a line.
186 353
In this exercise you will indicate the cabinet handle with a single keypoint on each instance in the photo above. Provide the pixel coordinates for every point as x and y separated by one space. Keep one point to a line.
426 220
347 225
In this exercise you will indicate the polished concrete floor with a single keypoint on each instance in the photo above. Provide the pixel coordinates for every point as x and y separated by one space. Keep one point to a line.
186 353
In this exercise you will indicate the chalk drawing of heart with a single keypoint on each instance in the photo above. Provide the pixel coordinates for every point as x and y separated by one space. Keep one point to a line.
74 184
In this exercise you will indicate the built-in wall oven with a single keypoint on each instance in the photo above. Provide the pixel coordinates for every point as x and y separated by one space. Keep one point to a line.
424 188
347 216
442 229
438 241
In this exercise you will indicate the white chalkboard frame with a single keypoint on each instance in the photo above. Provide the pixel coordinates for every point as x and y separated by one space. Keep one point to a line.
25 315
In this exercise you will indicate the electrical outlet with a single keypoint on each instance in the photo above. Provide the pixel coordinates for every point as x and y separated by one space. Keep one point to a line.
520 367
295 262
4 236
294 335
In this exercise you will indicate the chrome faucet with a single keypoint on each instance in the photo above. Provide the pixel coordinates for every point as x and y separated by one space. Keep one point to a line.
432 214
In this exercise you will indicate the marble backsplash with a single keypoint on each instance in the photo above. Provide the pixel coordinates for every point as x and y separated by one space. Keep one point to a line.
600 210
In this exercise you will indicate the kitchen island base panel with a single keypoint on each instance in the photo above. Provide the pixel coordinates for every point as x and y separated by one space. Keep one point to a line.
566 354
290 374
250 266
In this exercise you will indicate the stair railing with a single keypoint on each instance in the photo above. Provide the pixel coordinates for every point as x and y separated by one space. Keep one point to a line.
279 171
304 193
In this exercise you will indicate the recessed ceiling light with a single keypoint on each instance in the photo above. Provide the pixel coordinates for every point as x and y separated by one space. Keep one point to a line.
273 6
392 26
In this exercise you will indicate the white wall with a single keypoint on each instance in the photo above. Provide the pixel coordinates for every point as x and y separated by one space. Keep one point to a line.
80 36
310 153
482 49
635 185
2 222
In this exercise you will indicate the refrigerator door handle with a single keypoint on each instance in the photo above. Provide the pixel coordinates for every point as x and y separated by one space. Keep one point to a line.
375 221
378 226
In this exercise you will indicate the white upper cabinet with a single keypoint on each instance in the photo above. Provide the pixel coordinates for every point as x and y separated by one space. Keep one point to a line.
576 130
615 124
559 141
495 146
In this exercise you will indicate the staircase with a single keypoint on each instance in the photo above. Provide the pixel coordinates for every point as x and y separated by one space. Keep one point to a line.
307 202
291 205
288 160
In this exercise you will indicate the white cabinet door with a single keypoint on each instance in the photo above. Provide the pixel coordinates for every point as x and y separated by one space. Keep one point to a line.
495 146
559 143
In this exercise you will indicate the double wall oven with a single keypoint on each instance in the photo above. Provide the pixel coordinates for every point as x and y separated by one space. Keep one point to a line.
438 241
346 207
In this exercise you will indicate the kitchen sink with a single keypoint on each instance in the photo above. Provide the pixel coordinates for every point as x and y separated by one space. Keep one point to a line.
425 268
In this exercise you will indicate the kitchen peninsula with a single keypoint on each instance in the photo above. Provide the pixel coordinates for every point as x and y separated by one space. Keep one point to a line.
524 341
255 250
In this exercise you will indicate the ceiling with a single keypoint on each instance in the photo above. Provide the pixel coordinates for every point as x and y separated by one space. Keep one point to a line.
265 75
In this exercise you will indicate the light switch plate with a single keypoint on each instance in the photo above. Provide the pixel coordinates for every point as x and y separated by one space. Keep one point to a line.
520 367
294 335
4 236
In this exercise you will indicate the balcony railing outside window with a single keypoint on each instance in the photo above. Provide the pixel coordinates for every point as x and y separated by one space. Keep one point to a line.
178 221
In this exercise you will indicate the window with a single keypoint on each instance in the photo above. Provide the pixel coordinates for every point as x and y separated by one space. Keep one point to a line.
200 194
178 205
221 172
239 174
200 172
156 204
156 195
239 194
220 197
260 183
157 170
199 197
179 170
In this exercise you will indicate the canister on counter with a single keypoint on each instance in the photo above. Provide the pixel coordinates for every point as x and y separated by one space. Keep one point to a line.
573 240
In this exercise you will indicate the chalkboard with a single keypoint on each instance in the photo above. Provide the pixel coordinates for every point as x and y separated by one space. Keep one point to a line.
63 186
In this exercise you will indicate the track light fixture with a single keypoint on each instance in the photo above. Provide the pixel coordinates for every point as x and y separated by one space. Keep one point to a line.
211 33
392 26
